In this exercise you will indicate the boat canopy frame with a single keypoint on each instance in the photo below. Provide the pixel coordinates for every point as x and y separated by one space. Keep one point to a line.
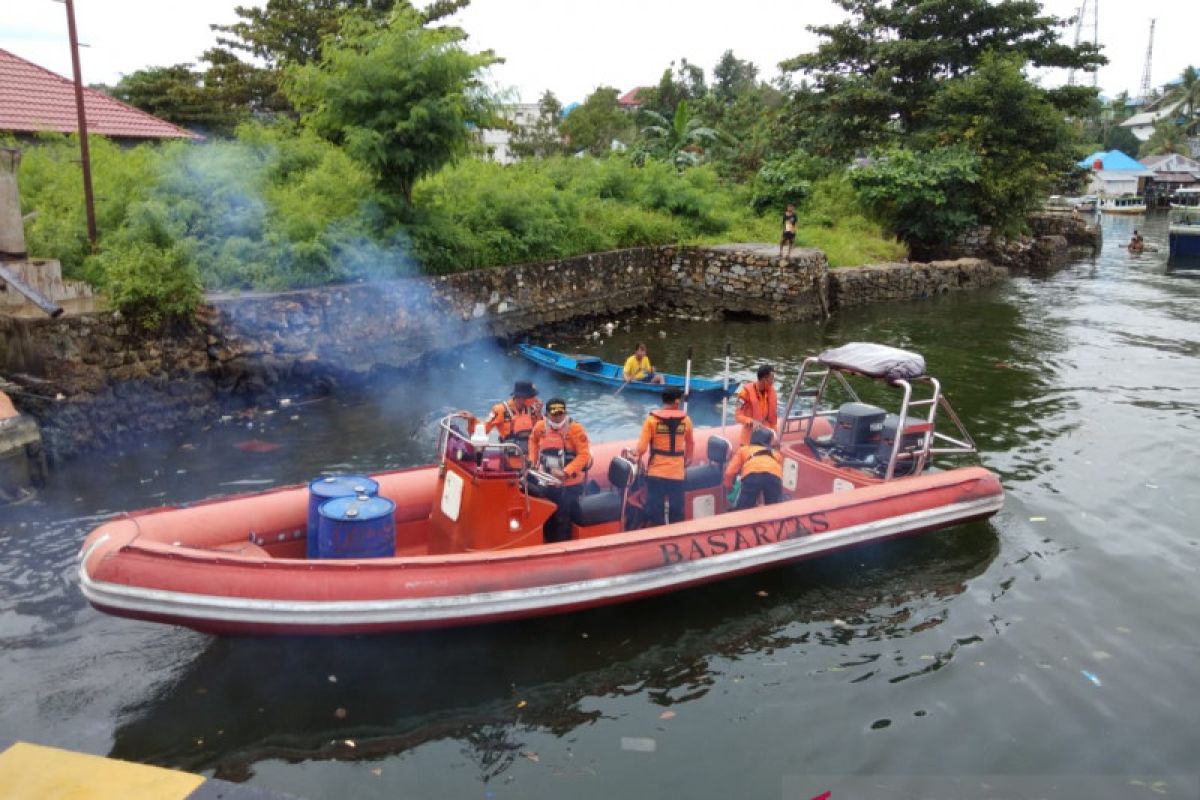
922 399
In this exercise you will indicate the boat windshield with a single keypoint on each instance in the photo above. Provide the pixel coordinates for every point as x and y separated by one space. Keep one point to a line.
477 456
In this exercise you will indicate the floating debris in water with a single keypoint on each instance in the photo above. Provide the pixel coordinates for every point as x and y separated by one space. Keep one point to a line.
638 744
333 678
522 704
1037 519
667 715
256 446
339 713
531 756
1091 677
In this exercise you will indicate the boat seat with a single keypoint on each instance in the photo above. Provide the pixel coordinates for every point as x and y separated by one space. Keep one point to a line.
589 363
703 476
594 509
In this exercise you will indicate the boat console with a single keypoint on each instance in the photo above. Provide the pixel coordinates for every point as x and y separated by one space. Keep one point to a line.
864 436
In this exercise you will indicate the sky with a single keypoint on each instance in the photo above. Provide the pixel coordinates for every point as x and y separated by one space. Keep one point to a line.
571 46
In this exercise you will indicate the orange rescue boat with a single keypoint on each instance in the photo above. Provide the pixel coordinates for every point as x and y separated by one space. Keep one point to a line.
467 529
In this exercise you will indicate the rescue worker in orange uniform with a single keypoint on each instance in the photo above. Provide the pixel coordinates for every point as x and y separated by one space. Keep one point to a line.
760 468
667 434
758 405
514 419
559 446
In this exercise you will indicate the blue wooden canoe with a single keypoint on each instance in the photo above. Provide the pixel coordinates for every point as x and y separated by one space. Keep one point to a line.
591 368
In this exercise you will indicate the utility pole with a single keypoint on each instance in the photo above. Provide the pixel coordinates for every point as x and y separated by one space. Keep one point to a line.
1144 91
83 134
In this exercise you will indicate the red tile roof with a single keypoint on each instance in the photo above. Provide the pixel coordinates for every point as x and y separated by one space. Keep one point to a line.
631 99
35 99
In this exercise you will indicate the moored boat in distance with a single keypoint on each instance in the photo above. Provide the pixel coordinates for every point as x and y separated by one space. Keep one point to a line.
1084 204
1123 204
594 370
1186 198
1183 233
464 536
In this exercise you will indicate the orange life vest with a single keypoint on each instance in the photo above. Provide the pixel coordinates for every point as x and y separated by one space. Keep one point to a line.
670 433
565 448
512 423
756 406
753 459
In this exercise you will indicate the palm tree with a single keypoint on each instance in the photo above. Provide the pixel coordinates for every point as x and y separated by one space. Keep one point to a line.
1167 138
682 141
1187 92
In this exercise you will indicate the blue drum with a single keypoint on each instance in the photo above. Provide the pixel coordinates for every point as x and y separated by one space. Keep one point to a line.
322 490
357 527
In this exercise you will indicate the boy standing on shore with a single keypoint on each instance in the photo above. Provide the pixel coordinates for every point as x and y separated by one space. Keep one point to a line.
789 230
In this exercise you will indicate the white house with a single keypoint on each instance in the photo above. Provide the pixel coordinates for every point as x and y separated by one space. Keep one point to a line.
495 142
1142 125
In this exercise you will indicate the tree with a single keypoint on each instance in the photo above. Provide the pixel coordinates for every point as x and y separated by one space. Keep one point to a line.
685 82
1021 140
683 141
543 139
919 196
733 77
400 98
1121 138
1166 138
289 32
178 94
875 73
1186 92
597 123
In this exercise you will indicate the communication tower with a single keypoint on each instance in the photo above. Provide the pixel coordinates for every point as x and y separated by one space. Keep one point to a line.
1144 91
1094 5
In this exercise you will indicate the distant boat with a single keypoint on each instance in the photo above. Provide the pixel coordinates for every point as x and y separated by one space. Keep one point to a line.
1186 198
1124 204
591 368
1085 203
1183 233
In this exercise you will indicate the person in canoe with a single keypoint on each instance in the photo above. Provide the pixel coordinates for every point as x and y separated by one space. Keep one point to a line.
513 420
758 404
759 467
639 368
1137 244
559 446
667 434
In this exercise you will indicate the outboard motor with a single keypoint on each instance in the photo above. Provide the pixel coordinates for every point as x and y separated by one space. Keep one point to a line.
856 434
911 441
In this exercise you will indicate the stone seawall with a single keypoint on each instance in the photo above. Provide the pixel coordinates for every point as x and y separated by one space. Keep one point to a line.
94 379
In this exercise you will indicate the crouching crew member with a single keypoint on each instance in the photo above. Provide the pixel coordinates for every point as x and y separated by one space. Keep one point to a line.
758 405
760 468
667 434
559 446
514 419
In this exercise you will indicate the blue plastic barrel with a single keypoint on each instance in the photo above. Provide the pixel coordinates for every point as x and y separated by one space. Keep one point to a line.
323 490
357 527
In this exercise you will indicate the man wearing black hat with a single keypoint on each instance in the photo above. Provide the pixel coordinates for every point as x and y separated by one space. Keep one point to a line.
559 446
514 419
667 434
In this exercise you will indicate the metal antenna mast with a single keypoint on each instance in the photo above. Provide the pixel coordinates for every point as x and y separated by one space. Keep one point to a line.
1082 15
1144 91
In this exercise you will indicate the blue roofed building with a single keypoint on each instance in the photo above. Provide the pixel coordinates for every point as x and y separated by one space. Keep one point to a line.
1114 173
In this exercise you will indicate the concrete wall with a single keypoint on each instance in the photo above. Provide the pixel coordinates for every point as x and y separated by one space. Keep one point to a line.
93 379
